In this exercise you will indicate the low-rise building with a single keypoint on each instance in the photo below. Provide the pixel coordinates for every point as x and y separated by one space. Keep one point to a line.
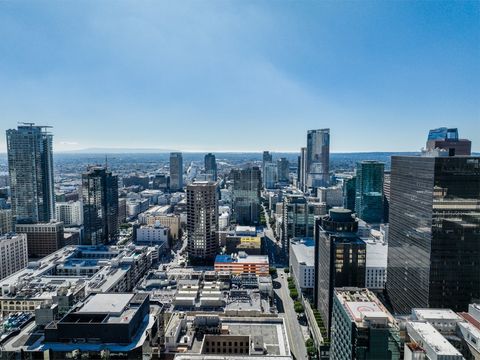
13 254
153 235
243 263
302 263
43 238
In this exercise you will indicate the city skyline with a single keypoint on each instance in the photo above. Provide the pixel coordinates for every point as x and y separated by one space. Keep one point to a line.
365 70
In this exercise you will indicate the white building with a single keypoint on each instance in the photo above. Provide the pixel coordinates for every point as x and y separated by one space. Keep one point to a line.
270 175
6 224
376 263
425 339
332 196
70 213
13 254
155 235
302 263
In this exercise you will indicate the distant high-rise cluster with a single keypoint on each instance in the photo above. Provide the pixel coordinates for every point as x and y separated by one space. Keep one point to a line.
176 171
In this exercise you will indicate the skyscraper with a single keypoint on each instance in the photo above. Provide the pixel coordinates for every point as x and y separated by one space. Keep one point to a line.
269 175
447 139
30 166
266 158
247 184
349 189
283 170
202 221
303 169
434 234
176 171
211 166
340 258
318 158
369 191
100 205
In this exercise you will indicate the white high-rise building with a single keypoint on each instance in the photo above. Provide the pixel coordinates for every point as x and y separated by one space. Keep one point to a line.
71 213
6 224
13 254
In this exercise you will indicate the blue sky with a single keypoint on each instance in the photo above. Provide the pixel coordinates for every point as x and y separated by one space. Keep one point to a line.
240 75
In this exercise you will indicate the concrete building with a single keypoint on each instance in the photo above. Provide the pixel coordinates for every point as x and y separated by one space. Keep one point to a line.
332 196
447 139
70 213
42 238
30 165
270 175
376 264
252 245
13 254
152 235
202 221
243 264
425 342
362 328
302 263
172 221
176 171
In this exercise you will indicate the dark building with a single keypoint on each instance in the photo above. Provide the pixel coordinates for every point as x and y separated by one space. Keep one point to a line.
340 257
386 196
434 235
283 170
160 182
136 180
369 191
349 190
30 167
100 206
447 139
202 221
211 166
247 184
42 238
266 158
176 171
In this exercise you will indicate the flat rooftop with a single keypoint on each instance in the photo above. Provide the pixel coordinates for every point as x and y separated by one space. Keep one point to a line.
106 303
431 338
436 314
304 251
377 253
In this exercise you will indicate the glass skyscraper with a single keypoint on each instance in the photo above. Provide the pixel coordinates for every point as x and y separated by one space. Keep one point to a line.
211 166
369 191
176 171
434 236
30 166
318 158
247 184
100 206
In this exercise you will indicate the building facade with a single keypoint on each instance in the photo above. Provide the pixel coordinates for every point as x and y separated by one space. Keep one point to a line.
13 254
302 263
70 213
202 221
176 171
434 232
269 175
30 166
318 158
6 221
100 206
211 166
247 184
283 170
369 191
42 238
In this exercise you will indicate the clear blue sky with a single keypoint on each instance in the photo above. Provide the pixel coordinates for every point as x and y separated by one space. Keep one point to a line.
240 75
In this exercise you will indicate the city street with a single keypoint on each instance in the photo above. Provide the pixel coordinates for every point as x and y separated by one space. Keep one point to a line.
285 308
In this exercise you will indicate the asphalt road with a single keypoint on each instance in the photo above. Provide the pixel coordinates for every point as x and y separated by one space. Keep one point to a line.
285 308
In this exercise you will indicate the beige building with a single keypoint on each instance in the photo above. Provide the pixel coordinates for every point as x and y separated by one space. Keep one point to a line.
13 254
171 221
6 221
43 238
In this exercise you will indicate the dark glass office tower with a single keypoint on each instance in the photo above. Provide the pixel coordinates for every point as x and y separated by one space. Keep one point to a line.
340 257
202 221
30 166
369 191
211 166
349 190
283 170
434 235
176 171
303 169
247 184
318 158
100 206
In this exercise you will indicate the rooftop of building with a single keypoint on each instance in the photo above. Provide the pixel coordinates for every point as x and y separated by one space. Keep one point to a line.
304 251
435 314
431 338
377 253
242 258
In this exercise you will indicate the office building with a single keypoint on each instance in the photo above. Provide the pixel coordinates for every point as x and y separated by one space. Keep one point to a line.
172 221
266 158
362 328
376 263
434 232
42 238
447 139
332 196
152 235
349 193
243 263
70 213
6 221
283 170
340 258
100 206
211 166
247 184
386 195
369 191
269 175
13 254
298 219
302 263
302 171
30 166
176 171
251 245
318 158
202 221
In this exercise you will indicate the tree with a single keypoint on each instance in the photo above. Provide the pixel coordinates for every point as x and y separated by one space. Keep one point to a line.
286 270
272 271
298 307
